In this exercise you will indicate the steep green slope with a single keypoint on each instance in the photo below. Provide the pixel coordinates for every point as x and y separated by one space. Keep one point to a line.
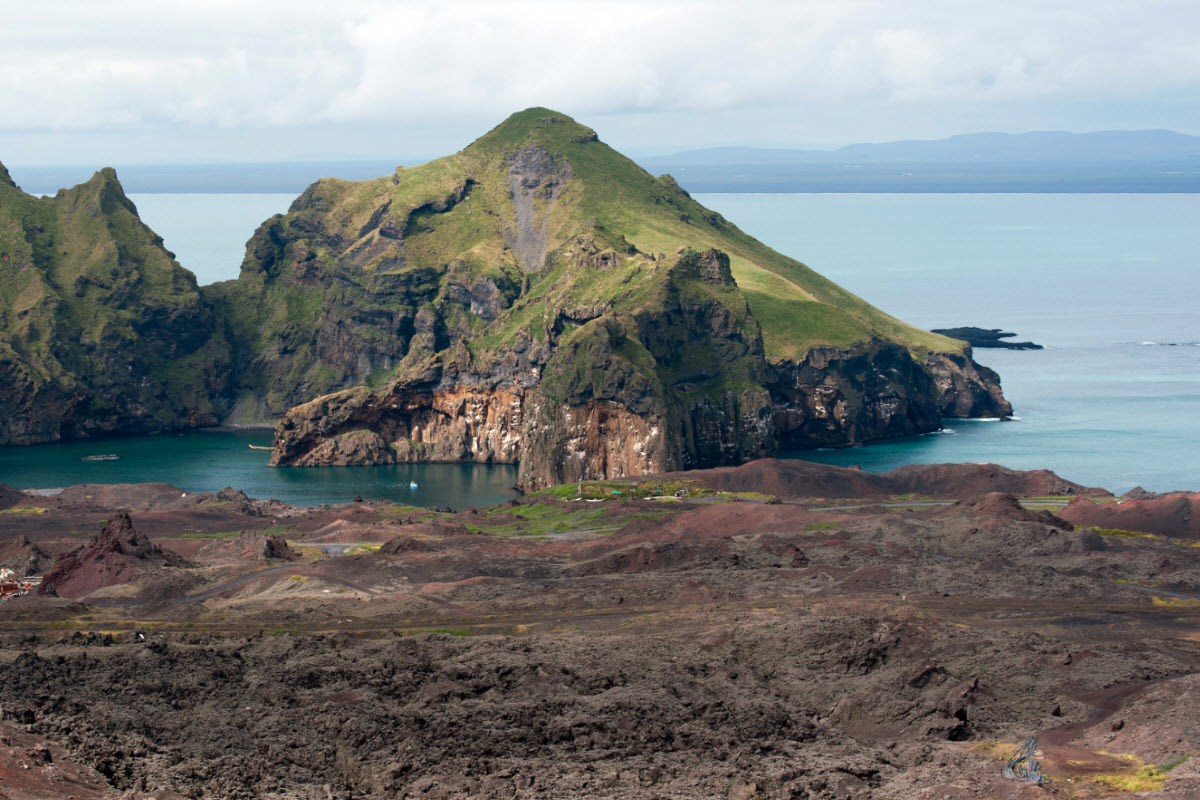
101 330
335 292
622 326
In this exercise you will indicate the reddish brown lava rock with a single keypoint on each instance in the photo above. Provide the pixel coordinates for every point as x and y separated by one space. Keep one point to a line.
33 769
799 479
1174 515
248 546
1007 506
110 558
9 496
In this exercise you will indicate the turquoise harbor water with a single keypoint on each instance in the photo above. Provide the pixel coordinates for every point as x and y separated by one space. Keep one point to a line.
1108 283
211 460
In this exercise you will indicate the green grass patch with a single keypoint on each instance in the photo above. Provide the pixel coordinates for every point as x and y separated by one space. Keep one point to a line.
1146 779
820 526
1175 602
1124 534
631 490
25 510
539 520
308 552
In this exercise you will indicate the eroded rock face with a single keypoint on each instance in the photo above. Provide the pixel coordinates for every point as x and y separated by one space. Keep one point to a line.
836 397
966 389
683 384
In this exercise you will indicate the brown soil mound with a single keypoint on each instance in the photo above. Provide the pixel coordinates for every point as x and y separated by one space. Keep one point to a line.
33 769
248 546
406 544
10 497
787 478
112 557
963 481
1174 515
1006 506
1160 723
134 496
799 479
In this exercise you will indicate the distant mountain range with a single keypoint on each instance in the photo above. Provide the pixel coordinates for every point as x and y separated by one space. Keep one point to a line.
1042 147
1053 161
1045 161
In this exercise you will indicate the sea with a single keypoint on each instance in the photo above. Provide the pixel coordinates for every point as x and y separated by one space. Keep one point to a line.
1109 284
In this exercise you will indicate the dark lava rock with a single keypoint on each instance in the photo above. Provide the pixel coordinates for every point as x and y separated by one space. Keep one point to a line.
981 337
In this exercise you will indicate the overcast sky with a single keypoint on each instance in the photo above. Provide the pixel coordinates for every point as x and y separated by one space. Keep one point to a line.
134 82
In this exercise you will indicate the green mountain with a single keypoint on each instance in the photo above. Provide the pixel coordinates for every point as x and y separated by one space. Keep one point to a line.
101 331
536 298
540 298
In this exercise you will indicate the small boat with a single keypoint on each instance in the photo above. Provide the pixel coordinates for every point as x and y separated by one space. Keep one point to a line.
412 484
259 447
104 457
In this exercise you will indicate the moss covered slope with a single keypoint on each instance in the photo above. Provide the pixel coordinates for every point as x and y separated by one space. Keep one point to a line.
356 276
101 330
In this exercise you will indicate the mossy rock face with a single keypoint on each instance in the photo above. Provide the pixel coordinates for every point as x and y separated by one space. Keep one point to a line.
532 223
627 327
101 331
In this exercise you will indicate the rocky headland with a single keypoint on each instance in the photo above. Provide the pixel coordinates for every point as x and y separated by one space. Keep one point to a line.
981 337
535 298
564 309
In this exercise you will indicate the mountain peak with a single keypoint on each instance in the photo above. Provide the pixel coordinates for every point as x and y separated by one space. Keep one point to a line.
550 129
5 178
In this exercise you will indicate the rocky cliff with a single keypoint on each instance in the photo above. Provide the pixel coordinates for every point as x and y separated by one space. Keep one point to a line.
101 331
552 304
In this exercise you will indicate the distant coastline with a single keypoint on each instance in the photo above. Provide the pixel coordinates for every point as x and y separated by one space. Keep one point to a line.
1046 162
698 178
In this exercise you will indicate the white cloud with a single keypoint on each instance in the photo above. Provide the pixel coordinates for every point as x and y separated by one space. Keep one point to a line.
231 64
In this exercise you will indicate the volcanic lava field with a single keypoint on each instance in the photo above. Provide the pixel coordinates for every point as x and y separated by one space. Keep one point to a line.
776 630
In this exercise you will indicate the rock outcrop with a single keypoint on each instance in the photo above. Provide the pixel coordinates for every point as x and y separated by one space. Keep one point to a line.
113 556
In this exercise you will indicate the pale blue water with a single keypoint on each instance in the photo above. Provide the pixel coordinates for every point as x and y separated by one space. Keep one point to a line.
208 232
1091 277
1104 282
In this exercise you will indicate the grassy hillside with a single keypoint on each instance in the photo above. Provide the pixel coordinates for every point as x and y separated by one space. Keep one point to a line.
534 226
100 328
